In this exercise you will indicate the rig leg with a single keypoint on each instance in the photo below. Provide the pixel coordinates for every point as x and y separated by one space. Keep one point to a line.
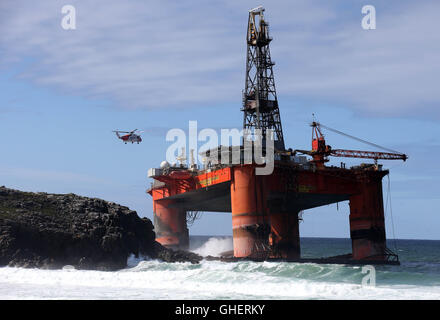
367 223
284 237
170 225
250 228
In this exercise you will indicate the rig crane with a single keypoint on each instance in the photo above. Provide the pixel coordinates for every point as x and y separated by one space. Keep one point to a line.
320 150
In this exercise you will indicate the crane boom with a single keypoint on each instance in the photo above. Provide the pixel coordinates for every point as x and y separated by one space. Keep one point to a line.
368 154
320 150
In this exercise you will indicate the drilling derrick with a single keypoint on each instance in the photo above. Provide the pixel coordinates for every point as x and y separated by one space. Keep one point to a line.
260 104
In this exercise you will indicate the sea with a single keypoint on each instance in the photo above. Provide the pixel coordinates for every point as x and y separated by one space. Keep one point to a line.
418 276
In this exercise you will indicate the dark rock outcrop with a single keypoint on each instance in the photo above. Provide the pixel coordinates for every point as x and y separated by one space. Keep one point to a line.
53 230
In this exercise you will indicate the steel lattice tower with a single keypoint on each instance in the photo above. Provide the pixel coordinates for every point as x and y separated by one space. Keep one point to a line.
260 104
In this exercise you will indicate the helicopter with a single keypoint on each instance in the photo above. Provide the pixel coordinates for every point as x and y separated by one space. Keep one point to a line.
129 136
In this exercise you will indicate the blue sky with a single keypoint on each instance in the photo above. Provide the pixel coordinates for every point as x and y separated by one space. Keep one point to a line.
155 65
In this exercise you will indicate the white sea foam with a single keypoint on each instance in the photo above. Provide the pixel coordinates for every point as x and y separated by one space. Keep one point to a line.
152 279
208 280
215 246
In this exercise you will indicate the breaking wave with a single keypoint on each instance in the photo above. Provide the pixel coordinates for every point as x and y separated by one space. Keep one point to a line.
208 280
152 279
215 246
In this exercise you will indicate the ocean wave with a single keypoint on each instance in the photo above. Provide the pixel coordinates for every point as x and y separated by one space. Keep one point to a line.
145 278
215 246
153 279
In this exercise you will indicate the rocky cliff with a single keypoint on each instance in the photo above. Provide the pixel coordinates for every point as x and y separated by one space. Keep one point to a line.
53 230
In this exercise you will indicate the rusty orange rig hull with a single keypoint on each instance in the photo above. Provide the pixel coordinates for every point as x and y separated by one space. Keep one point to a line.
265 223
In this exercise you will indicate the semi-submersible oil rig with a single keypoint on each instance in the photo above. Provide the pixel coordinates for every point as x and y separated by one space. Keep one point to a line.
265 208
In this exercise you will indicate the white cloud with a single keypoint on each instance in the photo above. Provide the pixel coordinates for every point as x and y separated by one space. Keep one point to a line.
391 70
171 53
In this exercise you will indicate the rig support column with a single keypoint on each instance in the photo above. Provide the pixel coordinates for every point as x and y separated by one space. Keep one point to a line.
367 223
170 225
284 236
250 228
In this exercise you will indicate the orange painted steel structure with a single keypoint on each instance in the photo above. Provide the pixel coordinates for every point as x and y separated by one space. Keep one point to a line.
265 208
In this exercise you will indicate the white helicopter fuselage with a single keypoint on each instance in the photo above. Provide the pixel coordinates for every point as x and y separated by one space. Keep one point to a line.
131 137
